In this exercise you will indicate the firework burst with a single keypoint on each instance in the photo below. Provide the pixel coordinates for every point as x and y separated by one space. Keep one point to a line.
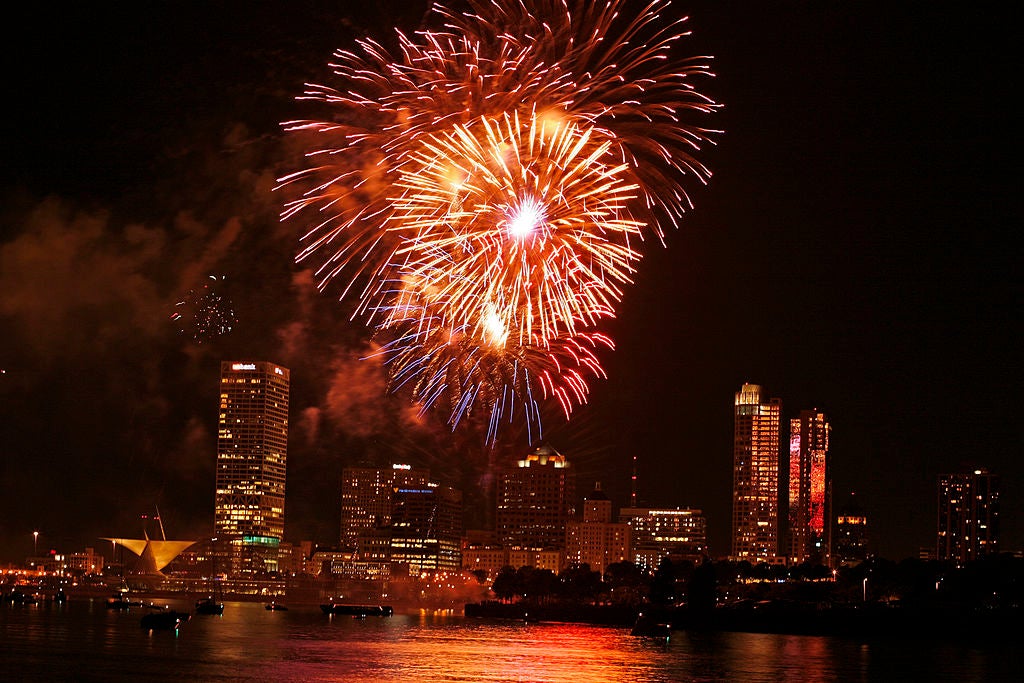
484 192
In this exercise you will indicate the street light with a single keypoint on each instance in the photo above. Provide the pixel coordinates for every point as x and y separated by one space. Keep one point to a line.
35 543
865 589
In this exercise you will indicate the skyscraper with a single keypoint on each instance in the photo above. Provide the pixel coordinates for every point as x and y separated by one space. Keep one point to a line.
755 477
535 501
968 527
810 489
252 452
850 542
367 497
426 528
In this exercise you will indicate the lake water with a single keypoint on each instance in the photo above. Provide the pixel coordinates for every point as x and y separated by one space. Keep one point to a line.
83 641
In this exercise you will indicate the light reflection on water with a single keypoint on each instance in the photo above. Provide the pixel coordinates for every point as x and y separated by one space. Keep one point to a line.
82 640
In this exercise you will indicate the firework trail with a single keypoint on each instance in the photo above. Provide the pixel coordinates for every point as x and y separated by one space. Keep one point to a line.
484 193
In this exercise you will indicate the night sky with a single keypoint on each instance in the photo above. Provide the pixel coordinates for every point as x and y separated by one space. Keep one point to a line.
853 252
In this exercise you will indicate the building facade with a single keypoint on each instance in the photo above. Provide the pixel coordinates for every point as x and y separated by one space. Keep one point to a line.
535 501
367 498
252 453
850 541
755 503
596 540
426 529
679 534
968 525
810 489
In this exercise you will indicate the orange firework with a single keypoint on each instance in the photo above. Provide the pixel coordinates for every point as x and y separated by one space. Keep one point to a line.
520 224
486 191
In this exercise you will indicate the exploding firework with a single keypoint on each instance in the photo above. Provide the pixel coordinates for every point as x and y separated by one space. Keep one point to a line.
510 225
205 313
484 194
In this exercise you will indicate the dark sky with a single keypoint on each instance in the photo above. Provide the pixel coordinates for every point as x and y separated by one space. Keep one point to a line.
853 252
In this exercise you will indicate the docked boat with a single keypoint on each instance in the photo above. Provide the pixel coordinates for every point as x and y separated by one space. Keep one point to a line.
275 607
209 606
121 601
358 610
164 620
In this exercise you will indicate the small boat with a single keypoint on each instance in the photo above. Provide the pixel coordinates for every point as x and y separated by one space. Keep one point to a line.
358 610
120 601
647 627
209 606
164 620
275 607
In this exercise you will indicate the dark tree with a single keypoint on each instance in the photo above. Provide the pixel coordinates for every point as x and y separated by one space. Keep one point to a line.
663 586
702 589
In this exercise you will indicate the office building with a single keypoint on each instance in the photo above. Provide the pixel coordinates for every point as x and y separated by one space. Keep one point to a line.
367 499
755 508
596 540
252 452
968 526
535 501
426 529
850 541
676 533
810 489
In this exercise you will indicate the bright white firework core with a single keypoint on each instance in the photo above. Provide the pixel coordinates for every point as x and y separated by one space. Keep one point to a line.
525 218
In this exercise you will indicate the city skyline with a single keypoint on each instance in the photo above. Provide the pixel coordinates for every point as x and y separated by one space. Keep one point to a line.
849 253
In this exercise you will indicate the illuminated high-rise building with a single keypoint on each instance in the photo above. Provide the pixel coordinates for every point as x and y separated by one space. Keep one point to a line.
426 528
755 476
810 489
252 453
367 498
657 533
535 501
968 516
850 541
596 540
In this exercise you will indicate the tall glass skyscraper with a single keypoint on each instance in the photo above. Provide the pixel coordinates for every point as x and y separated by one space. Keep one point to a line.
755 476
252 453
810 489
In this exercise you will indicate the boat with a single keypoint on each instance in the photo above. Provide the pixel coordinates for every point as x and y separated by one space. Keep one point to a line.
647 627
209 606
358 610
164 620
120 601
275 607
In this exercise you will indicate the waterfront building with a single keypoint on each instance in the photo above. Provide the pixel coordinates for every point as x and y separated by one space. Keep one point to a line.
968 524
535 501
810 489
252 452
550 559
486 558
679 534
426 529
851 535
596 540
755 505
85 562
367 499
